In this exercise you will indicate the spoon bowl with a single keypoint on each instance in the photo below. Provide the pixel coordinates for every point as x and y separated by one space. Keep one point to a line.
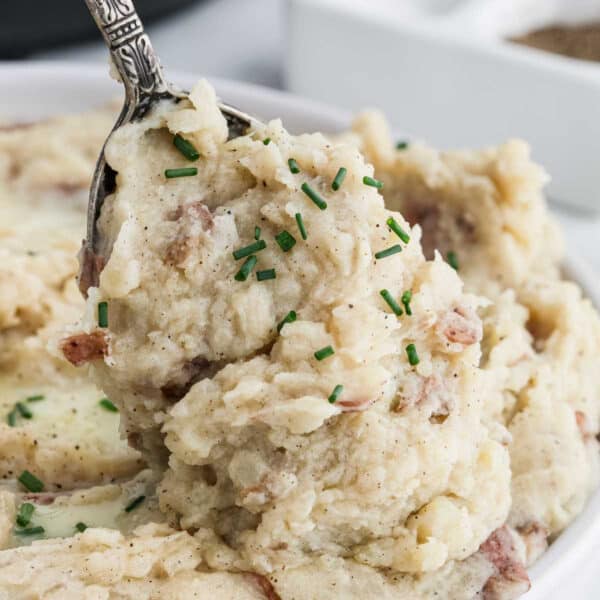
139 70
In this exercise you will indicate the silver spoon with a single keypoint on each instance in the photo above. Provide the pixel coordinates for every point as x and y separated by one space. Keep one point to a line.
140 71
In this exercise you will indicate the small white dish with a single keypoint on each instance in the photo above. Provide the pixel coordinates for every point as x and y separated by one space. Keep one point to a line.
34 91
451 87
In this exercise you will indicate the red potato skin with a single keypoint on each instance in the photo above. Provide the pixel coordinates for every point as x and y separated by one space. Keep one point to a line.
264 586
462 326
82 348
511 579
354 405
187 214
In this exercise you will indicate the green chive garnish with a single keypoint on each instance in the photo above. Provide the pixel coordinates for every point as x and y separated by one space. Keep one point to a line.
452 259
23 410
106 404
294 168
289 318
81 527
183 172
257 233
413 357
406 298
402 145
285 240
24 515
266 274
372 182
31 482
102 314
336 184
393 225
35 398
134 503
337 390
389 251
186 148
391 302
267 141
30 530
324 353
256 246
246 268
313 196
11 417
301 227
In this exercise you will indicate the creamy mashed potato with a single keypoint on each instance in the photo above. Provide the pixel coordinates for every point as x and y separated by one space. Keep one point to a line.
52 423
309 436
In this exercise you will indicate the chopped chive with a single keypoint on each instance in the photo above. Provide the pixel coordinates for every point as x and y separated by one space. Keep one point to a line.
452 259
81 527
11 417
391 302
285 240
246 268
35 398
23 410
402 145
393 225
102 314
294 168
267 141
256 246
313 196
134 503
183 172
337 390
257 233
186 148
336 184
30 482
289 318
30 530
301 227
24 515
324 353
266 274
406 298
106 404
388 251
413 357
371 182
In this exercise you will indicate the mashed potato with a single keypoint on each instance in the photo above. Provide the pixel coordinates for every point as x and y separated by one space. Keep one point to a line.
347 415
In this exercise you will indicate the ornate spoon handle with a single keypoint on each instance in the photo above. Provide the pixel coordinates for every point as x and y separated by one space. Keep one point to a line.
132 54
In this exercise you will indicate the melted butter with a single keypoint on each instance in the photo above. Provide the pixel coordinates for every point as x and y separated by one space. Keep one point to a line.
69 410
60 521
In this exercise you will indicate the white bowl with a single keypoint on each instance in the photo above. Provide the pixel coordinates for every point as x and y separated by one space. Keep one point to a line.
36 90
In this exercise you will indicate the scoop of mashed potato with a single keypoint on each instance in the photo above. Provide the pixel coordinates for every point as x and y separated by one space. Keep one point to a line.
374 449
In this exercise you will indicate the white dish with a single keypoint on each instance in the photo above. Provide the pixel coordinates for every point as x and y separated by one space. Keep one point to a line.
450 87
36 90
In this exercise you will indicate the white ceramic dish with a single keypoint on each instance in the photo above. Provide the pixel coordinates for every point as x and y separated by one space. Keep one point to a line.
450 86
36 90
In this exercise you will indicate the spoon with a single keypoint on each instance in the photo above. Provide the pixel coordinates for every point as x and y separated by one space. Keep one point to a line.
141 73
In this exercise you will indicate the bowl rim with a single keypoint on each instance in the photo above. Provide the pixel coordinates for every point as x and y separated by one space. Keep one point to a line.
565 554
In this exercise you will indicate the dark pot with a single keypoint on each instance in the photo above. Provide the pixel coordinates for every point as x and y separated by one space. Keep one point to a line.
30 25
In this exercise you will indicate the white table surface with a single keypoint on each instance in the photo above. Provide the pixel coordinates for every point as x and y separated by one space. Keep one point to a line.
245 40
